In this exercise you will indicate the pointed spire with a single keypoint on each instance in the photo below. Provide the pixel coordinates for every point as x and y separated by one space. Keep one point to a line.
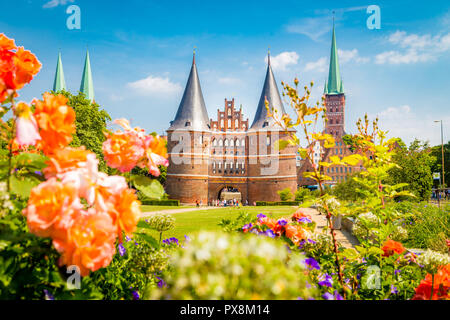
192 114
271 93
334 84
268 56
59 83
87 85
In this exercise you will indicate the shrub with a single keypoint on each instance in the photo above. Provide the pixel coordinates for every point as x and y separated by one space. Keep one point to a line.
301 194
428 228
168 202
285 194
235 266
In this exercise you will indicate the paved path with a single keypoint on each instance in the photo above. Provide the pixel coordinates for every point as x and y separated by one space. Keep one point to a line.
344 237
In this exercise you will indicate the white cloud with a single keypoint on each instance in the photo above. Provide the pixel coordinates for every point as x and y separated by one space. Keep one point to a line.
406 124
55 3
414 48
313 28
284 59
155 86
351 56
319 65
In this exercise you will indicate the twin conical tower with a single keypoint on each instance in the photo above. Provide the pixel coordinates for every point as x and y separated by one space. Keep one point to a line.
255 166
87 85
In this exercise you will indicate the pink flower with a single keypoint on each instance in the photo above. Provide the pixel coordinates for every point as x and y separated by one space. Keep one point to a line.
27 131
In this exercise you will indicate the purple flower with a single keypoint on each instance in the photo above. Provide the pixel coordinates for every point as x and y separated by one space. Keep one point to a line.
186 237
337 295
328 296
301 244
247 226
282 222
127 238
161 282
311 241
270 233
311 263
122 249
261 215
326 281
396 271
136 243
254 231
48 295
38 172
135 295
393 289
304 220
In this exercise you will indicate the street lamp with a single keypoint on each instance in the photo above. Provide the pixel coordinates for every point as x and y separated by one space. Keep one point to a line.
442 150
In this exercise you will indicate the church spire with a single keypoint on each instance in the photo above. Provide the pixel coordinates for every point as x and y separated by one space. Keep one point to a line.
59 83
334 84
87 85
271 93
192 114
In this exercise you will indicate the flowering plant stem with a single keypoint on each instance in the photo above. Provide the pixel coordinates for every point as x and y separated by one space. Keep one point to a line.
11 142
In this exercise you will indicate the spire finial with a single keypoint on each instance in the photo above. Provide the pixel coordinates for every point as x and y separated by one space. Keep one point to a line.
268 55
193 59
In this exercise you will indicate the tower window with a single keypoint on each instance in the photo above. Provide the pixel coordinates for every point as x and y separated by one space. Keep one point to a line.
265 124
268 141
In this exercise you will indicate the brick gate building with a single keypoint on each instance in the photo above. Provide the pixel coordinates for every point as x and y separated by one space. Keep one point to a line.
207 155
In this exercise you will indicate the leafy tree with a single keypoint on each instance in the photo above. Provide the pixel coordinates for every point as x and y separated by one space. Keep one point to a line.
91 123
350 189
415 168
436 151
301 194
285 194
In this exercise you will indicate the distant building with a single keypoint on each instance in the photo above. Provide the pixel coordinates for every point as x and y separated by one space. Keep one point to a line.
335 111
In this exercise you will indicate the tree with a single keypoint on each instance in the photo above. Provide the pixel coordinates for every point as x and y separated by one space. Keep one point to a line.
285 194
436 151
415 168
349 189
90 123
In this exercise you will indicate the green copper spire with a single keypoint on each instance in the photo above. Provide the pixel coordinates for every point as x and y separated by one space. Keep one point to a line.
59 83
87 85
334 84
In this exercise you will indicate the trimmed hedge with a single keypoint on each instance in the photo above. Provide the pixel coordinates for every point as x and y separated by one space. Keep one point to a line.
166 202
278 203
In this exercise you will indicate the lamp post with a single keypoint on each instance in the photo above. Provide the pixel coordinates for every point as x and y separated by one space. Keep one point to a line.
442 150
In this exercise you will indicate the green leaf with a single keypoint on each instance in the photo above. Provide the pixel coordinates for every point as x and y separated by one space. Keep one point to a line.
281 144
22 186
31 160
151 188
149 239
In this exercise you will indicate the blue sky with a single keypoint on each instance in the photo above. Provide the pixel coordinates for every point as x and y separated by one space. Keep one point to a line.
141 53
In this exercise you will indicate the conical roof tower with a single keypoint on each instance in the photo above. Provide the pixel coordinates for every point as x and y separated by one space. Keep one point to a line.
271 93
87 85
334 84
59 83
192 114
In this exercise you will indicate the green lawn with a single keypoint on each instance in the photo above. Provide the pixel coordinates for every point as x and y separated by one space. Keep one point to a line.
187 223
159 208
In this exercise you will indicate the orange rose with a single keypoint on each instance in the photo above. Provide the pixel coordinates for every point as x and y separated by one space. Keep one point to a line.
27 66
51 207
123 150
390 247
56 122
300 214
295 233
6 43
89 243
64 160
125 211
441 288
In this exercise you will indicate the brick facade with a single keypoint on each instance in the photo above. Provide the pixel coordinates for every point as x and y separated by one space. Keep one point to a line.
201 164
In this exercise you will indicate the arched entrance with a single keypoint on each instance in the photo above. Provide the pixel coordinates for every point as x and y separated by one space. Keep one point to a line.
229 193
